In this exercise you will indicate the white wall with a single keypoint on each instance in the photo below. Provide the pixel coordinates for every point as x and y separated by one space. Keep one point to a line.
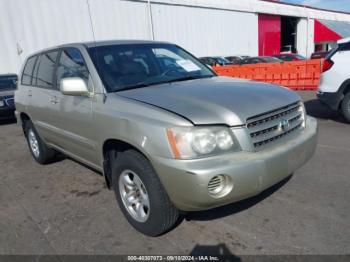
27 26
205 31
257 6
310 37
37 24
305 37
115 19
204 27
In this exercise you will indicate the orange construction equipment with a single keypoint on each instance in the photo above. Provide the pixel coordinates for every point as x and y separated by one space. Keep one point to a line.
297 75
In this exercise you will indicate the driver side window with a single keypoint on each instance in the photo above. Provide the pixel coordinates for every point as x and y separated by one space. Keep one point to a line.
71 64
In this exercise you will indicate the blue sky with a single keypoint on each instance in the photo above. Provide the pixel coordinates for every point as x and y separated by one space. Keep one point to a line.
339 5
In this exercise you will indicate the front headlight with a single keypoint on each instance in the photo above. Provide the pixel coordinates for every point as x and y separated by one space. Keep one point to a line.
302 111
192 142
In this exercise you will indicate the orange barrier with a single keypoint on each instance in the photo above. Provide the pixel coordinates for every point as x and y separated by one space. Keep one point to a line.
297 75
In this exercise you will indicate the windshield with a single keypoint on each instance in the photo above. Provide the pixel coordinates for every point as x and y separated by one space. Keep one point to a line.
271 59
286 48
124 67
8 82
300 57
222 60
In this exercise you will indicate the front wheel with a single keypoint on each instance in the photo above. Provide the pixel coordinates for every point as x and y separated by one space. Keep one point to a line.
345 107
140 194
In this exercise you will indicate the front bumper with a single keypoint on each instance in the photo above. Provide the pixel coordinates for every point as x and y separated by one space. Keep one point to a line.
7 113
7 108
186 181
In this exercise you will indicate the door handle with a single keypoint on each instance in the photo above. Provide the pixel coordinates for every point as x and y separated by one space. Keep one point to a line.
53 100
30 93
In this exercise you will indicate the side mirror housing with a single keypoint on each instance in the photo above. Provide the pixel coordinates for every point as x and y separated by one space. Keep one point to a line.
74 86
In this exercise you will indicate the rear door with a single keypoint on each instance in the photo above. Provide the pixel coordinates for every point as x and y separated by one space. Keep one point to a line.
23 95
40 95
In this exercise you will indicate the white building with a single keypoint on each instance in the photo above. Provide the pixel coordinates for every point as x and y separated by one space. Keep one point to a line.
203 27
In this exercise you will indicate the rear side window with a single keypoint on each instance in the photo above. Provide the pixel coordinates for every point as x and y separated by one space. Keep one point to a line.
340 47
331 53
46 67
71 64
27 75
344 47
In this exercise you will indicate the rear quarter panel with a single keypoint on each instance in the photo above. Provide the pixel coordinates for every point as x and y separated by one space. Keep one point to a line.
332 79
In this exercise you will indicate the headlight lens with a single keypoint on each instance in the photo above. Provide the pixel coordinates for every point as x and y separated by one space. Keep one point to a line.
192 142
224 140
203 141
303 113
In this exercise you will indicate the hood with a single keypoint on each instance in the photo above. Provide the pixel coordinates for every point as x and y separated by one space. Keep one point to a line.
217 100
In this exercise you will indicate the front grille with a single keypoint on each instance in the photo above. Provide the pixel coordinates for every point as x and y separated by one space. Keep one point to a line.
270 127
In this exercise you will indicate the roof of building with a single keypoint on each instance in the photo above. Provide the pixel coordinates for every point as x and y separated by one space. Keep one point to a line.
340 27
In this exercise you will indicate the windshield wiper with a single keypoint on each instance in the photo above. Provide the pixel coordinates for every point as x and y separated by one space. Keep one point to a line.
187 78
134 86
144 84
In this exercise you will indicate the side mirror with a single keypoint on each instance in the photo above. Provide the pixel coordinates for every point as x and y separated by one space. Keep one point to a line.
74 86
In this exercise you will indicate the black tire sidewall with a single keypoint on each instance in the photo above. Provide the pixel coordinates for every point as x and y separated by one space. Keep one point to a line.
345 107
46 155
155 222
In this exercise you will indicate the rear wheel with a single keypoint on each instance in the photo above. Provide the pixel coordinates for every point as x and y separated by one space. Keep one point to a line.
345 107
140 194
39 150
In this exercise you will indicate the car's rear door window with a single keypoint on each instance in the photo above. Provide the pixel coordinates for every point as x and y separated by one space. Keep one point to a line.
27 75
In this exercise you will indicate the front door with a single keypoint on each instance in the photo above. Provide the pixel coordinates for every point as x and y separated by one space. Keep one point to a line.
72 115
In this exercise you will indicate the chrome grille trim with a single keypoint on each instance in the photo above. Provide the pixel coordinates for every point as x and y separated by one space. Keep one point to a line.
261 143
273 115
267 128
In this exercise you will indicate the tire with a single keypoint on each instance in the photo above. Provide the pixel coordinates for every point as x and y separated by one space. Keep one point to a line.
345 107
160 215
40 152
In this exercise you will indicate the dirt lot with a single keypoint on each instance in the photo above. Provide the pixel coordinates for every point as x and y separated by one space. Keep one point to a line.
64 208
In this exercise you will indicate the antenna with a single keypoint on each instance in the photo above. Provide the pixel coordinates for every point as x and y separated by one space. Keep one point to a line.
150 19
91 23
94 40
